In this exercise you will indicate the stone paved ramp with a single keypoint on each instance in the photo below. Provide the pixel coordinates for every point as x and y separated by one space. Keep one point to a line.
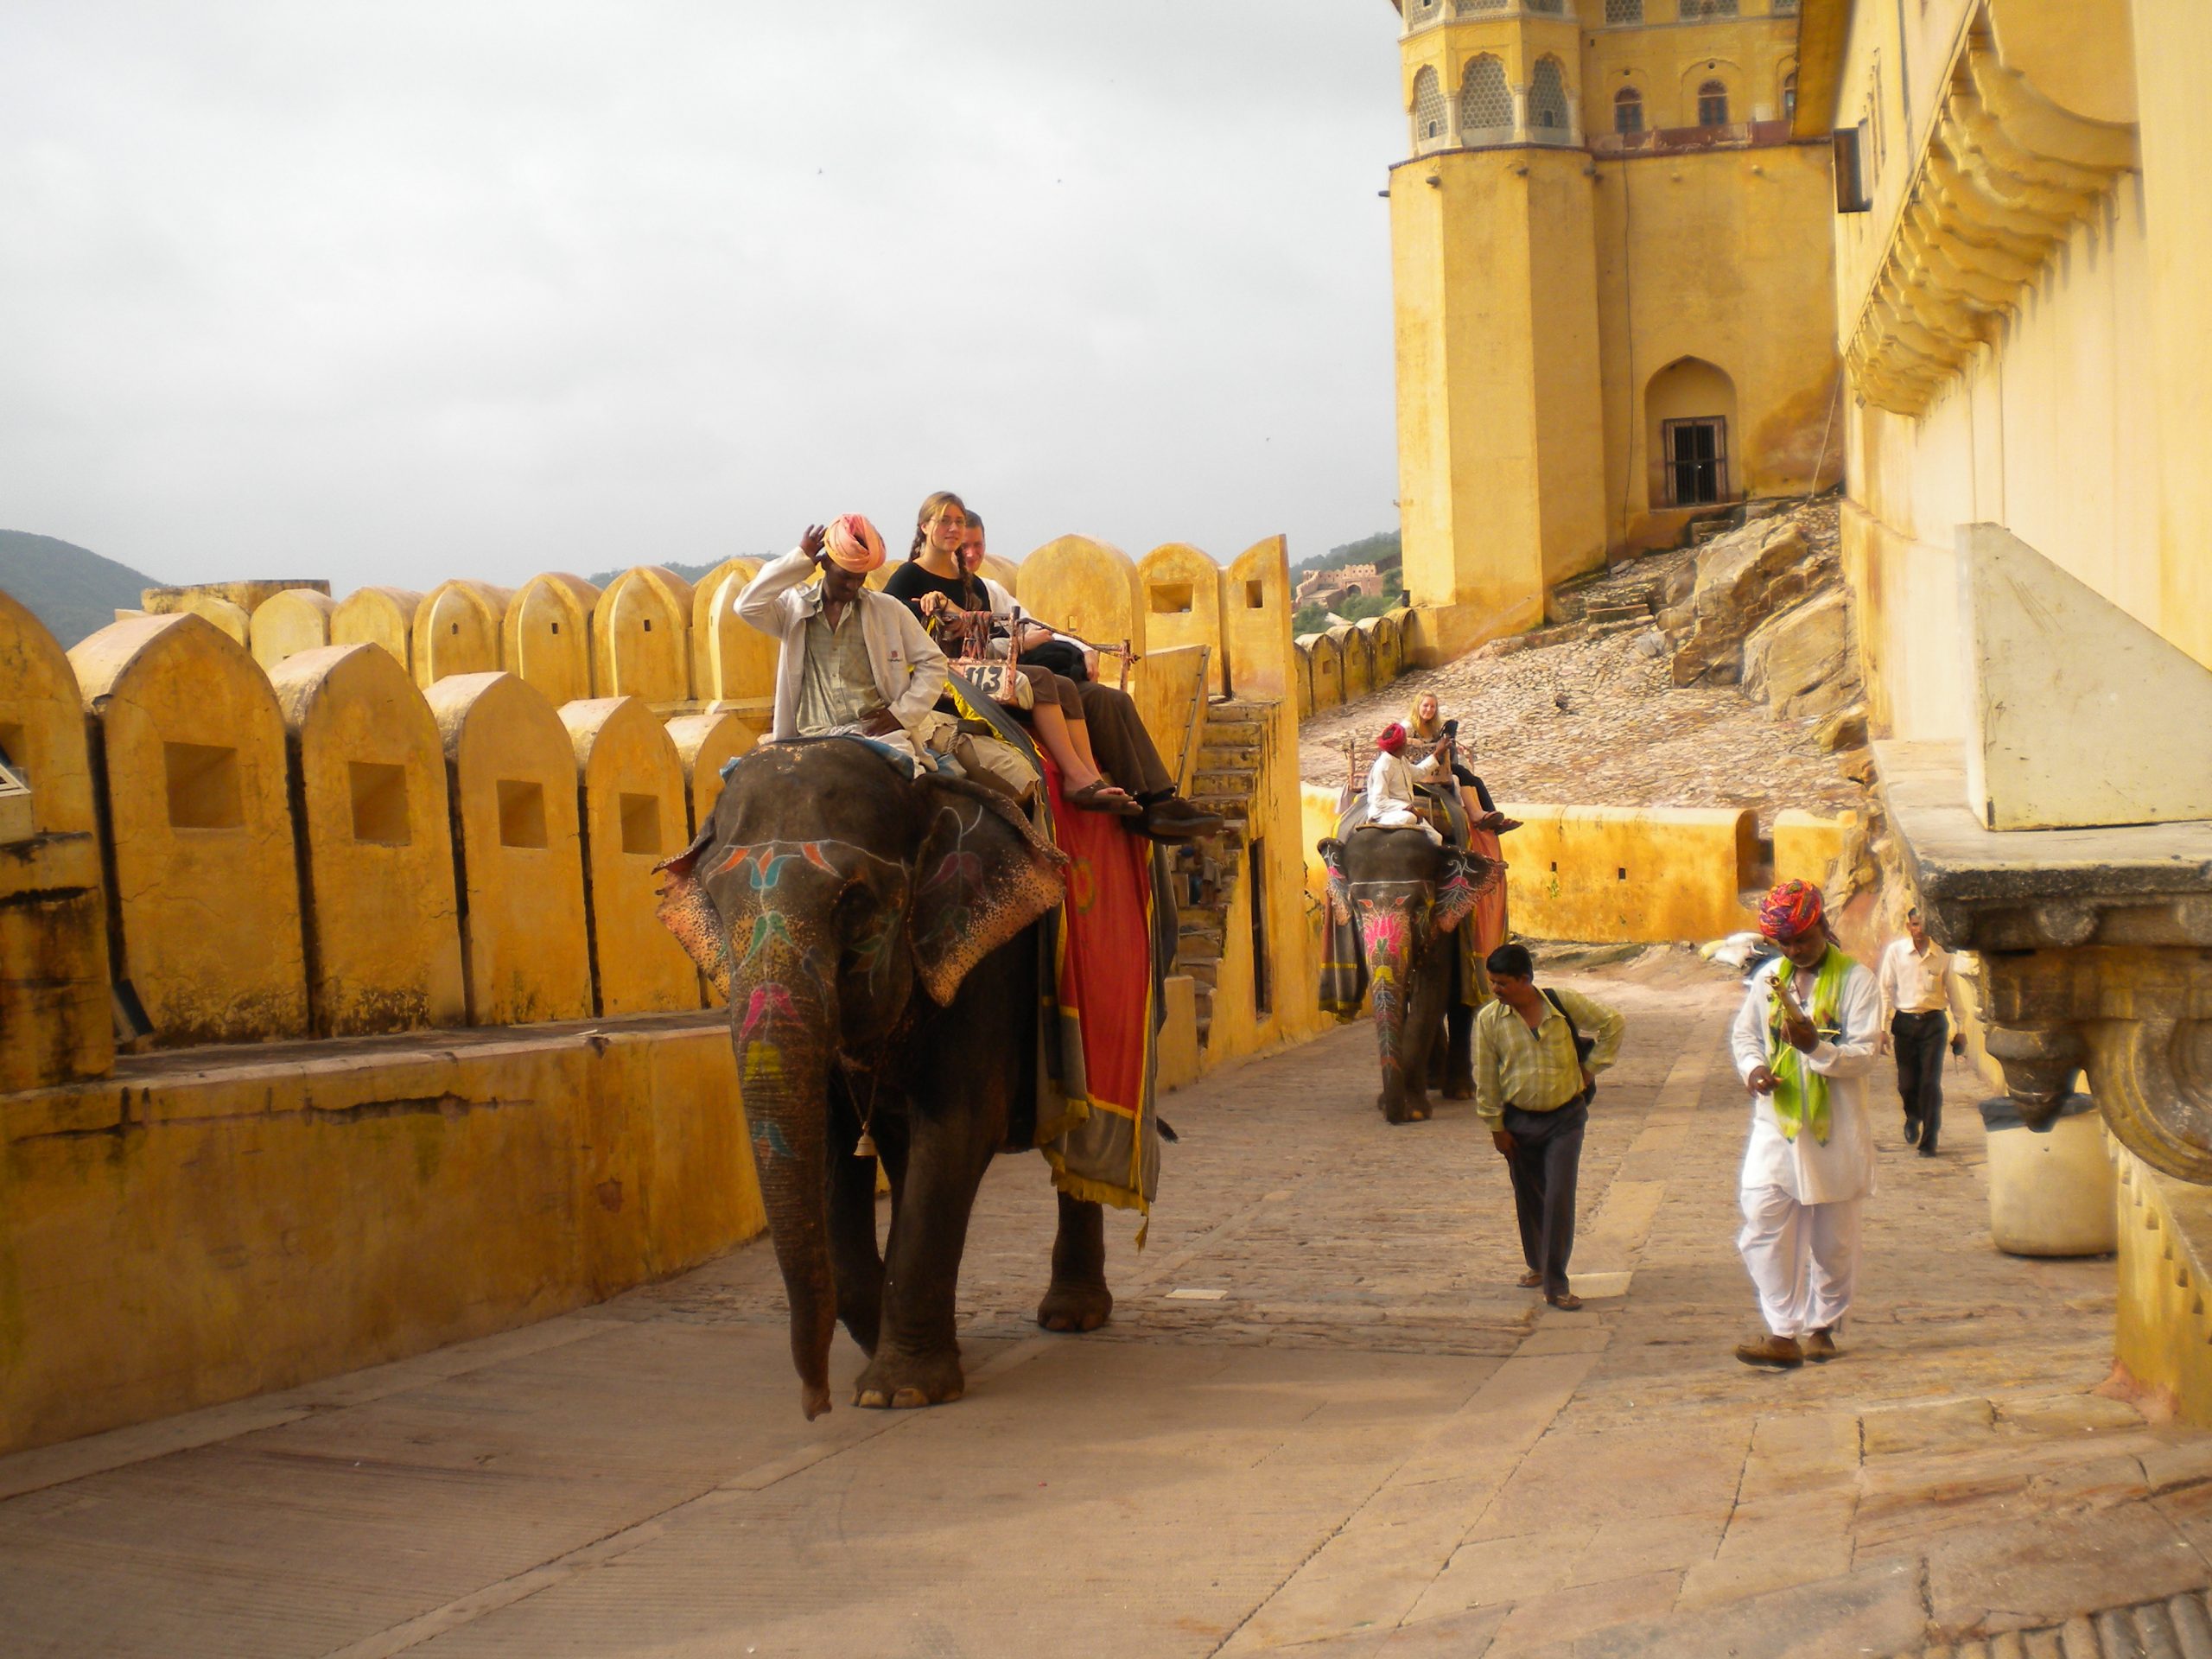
1324 1420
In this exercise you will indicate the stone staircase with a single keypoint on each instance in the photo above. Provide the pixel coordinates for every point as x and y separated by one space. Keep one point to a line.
1224 778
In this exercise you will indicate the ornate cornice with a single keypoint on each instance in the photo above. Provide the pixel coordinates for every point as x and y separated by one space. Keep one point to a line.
2007 176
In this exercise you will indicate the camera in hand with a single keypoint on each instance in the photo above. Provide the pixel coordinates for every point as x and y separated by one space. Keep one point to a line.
1451 728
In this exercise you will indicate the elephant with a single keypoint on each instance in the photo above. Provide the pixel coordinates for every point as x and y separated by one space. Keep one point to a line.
874 937
1407 895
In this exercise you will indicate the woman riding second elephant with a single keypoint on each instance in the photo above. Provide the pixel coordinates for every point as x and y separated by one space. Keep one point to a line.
1425 727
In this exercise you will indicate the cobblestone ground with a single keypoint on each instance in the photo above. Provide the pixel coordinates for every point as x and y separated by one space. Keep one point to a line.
1323 1419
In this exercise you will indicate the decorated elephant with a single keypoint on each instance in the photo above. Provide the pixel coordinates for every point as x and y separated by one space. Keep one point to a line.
869 933
1398 898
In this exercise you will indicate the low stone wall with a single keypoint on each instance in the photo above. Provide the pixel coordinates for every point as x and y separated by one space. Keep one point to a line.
1639 874
209 1224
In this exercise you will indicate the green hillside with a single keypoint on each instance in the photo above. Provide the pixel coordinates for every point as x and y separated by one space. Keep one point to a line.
1381 549
72 591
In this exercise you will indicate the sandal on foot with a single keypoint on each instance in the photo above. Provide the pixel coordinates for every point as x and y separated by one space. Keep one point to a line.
1103 796
1566 1301
1530 1280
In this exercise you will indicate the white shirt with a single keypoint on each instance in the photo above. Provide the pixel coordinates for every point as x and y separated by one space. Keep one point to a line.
910 670
1807 1171
1390 789
1914 981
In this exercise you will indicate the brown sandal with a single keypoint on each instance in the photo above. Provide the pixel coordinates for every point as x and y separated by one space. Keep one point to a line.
1103 796
1530 1280
1566 1302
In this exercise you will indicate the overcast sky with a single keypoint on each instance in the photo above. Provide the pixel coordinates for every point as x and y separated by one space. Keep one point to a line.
396 291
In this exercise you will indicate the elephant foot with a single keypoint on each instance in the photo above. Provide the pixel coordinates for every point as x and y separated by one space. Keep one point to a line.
1075 1307
1417 1113
901 1381
1412 1110
1459 1089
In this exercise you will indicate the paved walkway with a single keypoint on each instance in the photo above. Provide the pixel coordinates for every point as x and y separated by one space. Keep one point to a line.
1324 1418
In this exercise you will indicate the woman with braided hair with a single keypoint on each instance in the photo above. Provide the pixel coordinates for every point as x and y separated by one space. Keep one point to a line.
1804 1043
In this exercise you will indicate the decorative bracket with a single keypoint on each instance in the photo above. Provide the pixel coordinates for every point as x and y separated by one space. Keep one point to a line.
2097 953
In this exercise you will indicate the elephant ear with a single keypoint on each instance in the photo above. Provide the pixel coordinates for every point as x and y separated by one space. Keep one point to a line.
686 911
981 876
1465 878
1333 860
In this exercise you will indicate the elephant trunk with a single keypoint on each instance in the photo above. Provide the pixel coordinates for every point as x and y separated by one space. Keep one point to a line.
1386 942
785 1039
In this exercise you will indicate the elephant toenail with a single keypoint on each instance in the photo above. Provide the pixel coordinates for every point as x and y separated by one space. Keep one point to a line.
908 1398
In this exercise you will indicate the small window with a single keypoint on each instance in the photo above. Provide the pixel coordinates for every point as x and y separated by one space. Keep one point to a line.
649 624
203 786
1624 11
522 813
1628 110
1712 105
379 802
1170 598
1428 107
1255 595
1697 461
1789 96
1485 106
1547 97
1850 170
641 824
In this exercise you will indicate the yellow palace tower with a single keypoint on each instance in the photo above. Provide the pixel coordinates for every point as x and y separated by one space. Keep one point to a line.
1614 289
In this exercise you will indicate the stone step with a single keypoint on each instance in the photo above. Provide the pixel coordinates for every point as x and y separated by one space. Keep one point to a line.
1203 970
1237 708
1231 781
1245 732
1227 756
1238 807
1625 611
1204 938
1636 624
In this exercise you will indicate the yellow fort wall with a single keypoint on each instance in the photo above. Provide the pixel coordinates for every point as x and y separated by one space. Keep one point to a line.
205 899
457 630
253 1219
382 932
545 636
1645 875
286 623
1183 596
55 1022
1255 622
641 636
510 785
379 616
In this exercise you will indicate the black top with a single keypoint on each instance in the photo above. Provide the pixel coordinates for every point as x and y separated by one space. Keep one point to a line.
910 581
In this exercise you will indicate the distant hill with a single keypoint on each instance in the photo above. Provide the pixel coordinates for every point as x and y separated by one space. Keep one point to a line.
1383 548
72 591
688 572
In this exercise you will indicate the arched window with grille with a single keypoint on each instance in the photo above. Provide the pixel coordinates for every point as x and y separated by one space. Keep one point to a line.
1485 106
1712 105
1628 110
1624 11
1461 8
1420 11
1548 99
1429 119
1697 11
1552 7
1789 96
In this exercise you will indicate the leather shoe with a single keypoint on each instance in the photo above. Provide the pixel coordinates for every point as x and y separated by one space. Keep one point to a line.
1172 818
1530 1280
1778 1353
1928 1146
1912 1131
1820 1346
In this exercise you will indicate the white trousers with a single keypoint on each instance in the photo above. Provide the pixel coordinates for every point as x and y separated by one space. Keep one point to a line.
1803 1258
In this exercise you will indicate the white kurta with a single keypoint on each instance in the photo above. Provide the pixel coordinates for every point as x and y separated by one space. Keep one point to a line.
1802 1199
1805 1169
1390 791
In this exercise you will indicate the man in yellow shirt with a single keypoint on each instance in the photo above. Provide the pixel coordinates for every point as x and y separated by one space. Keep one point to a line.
1533 1090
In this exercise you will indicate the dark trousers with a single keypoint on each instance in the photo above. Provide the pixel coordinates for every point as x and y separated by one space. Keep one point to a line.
1920 1040
1118 739
1547 1158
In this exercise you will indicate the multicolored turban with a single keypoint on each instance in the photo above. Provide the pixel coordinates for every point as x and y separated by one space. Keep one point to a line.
852 543
1391 738
1791 911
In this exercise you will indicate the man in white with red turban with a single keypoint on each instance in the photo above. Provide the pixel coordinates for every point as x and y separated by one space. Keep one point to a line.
1804 1043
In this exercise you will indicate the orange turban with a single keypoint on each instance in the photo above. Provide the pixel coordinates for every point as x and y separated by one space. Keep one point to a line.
852 543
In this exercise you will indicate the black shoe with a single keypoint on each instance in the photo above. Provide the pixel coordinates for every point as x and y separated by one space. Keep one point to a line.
1912 1131
1172 818
1928 1148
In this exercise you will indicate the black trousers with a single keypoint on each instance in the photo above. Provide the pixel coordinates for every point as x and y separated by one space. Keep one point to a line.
1118 739
1546 1162
1920 1040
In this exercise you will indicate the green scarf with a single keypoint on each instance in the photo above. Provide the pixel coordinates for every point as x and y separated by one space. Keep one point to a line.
1801 1095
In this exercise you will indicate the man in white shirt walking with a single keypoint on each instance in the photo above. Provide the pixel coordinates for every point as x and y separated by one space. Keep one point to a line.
1804 1043
1917 993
